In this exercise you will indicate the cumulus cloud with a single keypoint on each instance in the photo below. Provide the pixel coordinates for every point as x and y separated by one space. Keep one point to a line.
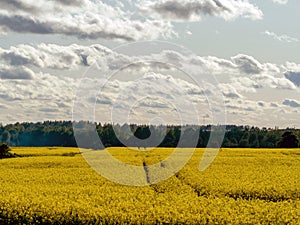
53 56
281 38
152 94
256 82
71 2
193 10
230 92
293 77
270 81
274 104
247 64
239 77
281 2
19 6
154 102
241 106
16 73
72 57
81 19
292 103
245 84
291 66
28 99
261 103
188 33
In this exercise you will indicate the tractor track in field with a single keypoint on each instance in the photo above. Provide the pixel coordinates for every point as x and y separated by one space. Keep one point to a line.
146 173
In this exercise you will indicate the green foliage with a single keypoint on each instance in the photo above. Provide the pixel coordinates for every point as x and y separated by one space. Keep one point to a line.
5 151
60 133
289 140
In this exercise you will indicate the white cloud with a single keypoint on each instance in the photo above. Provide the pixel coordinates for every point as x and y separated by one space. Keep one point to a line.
274 104
188 33
28 99
291 66
292 103
293 77
261 103
81 19
193 10
281 38
261 81
72 57
245 84
48 95
230 92
269 81
247 64
15 73
281 2
53 56
152 94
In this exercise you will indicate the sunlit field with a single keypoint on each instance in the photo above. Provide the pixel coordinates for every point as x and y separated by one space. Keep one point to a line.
242 186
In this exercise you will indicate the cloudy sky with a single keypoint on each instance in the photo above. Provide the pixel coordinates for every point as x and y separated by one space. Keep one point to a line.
164 61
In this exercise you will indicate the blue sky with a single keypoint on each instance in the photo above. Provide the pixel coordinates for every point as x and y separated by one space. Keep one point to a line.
251 48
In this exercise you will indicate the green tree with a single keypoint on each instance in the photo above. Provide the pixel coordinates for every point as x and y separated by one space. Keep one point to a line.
253 140
5 137
169 140
244 142
288 140
5 151
142 132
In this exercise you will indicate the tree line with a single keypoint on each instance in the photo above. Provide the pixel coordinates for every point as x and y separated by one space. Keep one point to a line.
61 133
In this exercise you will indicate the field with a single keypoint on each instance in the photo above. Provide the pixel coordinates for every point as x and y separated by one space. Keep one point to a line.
242 186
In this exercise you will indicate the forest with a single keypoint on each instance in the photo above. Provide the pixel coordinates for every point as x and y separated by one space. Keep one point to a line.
61 133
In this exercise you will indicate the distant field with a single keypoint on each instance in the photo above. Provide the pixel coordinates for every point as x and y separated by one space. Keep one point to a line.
242 186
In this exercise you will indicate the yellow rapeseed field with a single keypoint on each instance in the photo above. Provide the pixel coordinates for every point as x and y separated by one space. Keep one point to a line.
242 186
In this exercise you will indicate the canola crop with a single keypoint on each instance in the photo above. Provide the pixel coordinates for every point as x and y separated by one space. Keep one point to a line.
242 186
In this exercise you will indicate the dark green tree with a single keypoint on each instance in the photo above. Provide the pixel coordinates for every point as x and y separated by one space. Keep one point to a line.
142 133
244 142
253 140
288 140
5 151
169 139
5 137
